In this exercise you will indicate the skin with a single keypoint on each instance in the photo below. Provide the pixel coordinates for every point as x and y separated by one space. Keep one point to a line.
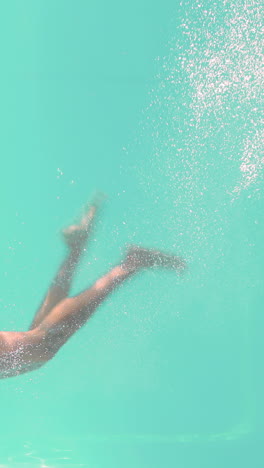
60 316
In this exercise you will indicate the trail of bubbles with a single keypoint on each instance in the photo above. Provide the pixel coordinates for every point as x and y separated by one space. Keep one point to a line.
201 136
210 95
226 76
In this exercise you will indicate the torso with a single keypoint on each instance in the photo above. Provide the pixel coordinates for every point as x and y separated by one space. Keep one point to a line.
18 354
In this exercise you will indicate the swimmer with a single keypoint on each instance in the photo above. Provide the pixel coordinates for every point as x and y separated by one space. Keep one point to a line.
60 316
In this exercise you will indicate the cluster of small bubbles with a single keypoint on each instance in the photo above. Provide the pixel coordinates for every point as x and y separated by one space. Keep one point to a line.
15 244
252 159
59 173
224 65
216 57
63 182
203 120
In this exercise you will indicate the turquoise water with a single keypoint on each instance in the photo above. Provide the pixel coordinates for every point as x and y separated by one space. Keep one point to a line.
158 105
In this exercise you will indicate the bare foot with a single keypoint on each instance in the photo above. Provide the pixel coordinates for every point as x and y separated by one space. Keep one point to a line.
76 235
138 257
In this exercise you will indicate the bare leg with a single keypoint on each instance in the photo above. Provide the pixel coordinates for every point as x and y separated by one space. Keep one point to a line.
72 313
75 237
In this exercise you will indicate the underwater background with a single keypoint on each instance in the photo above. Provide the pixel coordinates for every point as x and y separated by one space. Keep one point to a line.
158 105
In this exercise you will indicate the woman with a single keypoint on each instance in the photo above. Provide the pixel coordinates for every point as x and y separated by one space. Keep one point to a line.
60 316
